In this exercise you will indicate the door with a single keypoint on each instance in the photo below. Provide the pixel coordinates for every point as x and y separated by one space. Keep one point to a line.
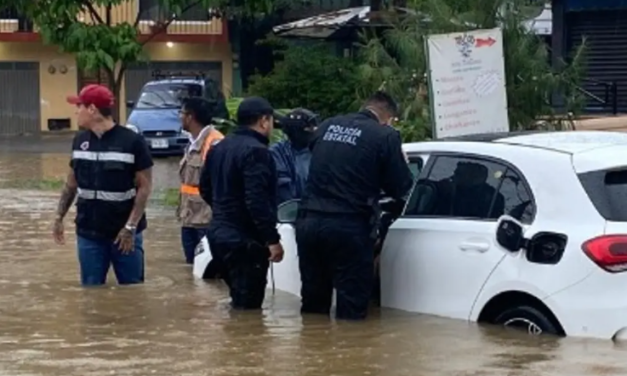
439 254
20 102
285 276
416 163
605 32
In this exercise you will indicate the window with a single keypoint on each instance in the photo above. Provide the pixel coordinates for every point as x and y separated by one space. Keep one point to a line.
518 202
166 95
151 10
472 188
415 165
607 190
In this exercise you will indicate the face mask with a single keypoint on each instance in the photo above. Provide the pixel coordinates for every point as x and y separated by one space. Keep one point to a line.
300 139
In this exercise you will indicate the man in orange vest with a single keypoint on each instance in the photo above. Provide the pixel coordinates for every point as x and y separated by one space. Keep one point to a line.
193 213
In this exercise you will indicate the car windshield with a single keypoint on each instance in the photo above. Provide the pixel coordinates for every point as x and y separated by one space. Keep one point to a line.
607 190
166 95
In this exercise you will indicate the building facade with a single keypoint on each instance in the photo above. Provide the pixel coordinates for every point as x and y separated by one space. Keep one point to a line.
603 26
36 78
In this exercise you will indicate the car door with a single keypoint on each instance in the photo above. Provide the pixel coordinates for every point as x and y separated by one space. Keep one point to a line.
441 251
416 162
285 276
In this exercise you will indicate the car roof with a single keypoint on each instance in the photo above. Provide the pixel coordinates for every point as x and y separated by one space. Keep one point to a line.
570 142
176 80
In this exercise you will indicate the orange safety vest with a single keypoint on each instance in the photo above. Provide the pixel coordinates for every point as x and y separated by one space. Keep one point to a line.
211 139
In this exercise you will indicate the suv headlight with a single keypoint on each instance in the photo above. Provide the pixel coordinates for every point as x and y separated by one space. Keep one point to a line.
132 127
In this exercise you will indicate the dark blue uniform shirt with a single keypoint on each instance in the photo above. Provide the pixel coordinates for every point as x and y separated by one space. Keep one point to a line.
238 181
353 159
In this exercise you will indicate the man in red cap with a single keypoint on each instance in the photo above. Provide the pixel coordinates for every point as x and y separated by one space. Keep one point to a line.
110 175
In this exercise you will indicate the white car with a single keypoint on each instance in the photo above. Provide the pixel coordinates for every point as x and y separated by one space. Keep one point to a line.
521 230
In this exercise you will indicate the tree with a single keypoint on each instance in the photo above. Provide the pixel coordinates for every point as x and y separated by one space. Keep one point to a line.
312 77
87 28
397 60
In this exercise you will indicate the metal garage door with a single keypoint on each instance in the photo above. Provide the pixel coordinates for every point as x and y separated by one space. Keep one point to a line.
140 74
606 37
20 109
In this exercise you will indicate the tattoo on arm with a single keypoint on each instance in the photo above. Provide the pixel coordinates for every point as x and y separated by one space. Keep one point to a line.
144 188
68 194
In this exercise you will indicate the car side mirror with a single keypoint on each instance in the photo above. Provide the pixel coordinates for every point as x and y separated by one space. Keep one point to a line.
130 104
288 211
509 234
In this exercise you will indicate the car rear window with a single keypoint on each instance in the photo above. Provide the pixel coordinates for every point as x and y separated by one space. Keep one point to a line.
607 190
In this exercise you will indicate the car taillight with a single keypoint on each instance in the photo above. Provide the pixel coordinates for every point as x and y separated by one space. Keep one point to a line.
608 251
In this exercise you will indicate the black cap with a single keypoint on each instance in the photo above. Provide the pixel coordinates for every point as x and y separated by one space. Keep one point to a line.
254 106
299 117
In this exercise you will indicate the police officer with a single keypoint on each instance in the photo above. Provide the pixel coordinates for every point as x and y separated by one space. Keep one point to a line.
111 174
239 183
354 157
292 156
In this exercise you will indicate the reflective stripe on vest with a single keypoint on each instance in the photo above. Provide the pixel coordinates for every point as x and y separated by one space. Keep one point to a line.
212 139
88 194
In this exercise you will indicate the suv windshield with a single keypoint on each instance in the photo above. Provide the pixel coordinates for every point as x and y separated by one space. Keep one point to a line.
608 192
167 95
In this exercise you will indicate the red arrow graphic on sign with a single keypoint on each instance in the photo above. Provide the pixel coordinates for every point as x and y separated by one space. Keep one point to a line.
479 42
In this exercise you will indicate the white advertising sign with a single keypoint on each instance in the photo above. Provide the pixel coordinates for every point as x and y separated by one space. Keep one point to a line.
467 83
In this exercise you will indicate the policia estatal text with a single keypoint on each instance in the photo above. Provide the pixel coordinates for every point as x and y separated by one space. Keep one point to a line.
354 157
239 183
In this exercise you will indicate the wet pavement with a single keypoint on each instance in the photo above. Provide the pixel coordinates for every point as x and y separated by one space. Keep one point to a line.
175 326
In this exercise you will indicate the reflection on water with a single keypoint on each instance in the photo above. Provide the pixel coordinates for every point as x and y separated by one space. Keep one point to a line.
49 166
175 326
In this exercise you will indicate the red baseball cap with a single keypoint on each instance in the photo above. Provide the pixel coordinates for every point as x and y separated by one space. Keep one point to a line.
98 95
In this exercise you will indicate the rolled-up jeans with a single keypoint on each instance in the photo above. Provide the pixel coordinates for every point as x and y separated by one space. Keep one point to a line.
190 237
96 256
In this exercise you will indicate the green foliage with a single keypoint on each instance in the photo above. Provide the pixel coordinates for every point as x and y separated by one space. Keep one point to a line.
397 61
226 126
51 184
310 77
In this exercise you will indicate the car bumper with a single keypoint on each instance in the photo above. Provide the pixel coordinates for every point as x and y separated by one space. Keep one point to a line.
596 307
166 145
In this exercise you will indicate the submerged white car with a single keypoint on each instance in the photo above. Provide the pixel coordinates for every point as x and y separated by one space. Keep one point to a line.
521 230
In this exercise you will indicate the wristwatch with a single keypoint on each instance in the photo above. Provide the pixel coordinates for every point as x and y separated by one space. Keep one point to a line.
130 227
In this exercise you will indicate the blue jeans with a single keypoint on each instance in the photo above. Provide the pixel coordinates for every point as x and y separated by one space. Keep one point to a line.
190 237
96 256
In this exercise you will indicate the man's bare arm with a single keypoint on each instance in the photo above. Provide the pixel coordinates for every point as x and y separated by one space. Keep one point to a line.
68 194
143 179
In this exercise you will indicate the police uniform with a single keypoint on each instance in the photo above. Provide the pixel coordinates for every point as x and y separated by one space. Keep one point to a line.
239 183
193 213
353 159
104 168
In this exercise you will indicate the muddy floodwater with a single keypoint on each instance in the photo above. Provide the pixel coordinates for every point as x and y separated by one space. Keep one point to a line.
175 326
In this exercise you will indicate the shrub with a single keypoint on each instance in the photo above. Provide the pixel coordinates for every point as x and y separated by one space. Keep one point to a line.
310 77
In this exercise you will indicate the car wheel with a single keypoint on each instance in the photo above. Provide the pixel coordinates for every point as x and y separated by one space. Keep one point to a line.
528 319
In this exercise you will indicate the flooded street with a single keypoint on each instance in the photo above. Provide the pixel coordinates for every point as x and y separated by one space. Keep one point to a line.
175 326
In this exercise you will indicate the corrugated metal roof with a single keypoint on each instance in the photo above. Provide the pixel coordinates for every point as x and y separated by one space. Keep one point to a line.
322 26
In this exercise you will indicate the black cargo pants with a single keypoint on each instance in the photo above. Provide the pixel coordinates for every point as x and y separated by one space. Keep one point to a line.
335 251
244 268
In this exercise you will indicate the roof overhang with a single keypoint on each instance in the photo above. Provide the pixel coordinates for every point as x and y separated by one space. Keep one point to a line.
325 25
